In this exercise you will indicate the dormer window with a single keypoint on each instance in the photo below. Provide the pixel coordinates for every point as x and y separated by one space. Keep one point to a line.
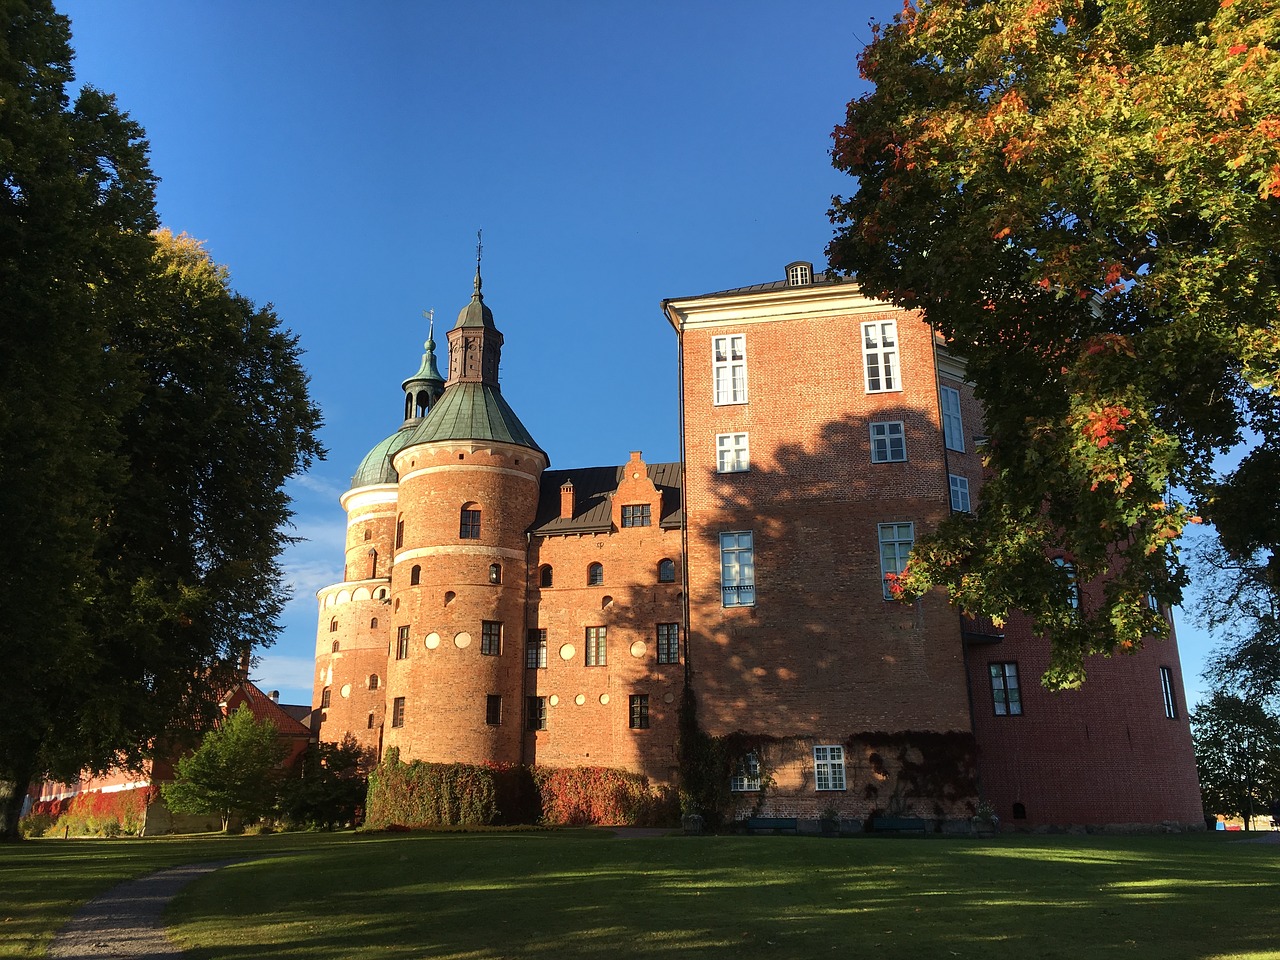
799 274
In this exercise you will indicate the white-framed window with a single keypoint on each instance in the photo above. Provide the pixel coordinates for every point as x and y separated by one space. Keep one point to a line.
738 569
746 774
880 355
799 275
952 422
1006 696
888 442
729 368
732 453
1166 690
828 768
896 541
959 493
1073 586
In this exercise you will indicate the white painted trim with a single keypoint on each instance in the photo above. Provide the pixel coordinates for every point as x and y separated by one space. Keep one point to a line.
458 550
472 467
369 496
765 306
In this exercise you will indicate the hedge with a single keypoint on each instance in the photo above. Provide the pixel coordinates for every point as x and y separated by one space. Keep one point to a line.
91 814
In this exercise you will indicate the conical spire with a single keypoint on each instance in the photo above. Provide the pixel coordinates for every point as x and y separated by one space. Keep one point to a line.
475 313
423 389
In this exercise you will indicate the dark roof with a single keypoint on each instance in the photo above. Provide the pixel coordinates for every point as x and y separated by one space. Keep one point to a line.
819 280
593 488
472 411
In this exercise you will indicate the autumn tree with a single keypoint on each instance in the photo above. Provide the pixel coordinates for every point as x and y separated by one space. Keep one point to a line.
1237 745
1084 199
149 417
234 774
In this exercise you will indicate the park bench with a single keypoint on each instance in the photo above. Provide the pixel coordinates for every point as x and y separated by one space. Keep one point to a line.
771 825
899 825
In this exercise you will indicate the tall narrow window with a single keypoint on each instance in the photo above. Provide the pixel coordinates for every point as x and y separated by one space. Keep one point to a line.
402 643
1006 697
635 515
666 571
828 767
737 569
493 710
595 575
729 368
1073 586
746 774
370 725
469 528
1166 689
668 643
336 646
596 644
545 576
491 638
896 541
959 493
373 681
639 711
324 698
399 534
415 575
333 625
952 422
535 713
397 712
733 454
535 651
880 355
888 442
373 624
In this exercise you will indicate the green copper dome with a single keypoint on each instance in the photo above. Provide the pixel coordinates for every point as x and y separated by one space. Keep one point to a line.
471 411
376 466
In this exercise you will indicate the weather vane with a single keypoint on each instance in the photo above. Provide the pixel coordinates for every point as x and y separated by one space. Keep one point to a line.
431 321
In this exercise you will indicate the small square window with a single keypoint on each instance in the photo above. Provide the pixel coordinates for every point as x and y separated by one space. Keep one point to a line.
746 774
635 515
397 712
828 768
535 713
733 453
493 710
535 652
491 638
888 442
959 493
668 643
639 711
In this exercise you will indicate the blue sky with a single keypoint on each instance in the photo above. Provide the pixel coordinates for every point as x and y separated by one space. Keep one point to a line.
339 158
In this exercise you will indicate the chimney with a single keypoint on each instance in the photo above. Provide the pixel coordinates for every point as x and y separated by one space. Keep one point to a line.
566 500
275 696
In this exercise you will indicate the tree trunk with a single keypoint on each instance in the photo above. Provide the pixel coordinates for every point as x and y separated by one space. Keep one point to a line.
11 805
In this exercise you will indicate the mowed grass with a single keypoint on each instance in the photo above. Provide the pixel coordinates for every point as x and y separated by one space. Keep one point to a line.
587 894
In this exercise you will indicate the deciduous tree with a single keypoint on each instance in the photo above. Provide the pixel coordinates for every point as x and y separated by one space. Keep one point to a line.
1083 196
235 773
149 417
1237 744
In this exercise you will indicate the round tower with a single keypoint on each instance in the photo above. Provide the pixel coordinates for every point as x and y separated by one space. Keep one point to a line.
469 478
354 626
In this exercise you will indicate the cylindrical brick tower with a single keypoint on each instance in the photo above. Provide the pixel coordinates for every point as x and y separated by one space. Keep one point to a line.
355 622
468 492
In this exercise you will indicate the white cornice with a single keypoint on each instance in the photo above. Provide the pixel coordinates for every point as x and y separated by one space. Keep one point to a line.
765 306
368 496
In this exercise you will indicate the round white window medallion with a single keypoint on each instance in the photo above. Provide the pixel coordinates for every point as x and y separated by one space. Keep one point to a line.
346 690
567 652
433 640
668 698
462 640
580 699
553 700
604 699
639 648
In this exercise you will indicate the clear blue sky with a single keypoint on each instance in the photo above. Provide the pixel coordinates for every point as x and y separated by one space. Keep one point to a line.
339 158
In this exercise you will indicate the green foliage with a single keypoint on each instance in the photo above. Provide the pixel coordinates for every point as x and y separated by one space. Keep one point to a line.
583 796
705 763
419 794
150 417
235 773
1237 744
331 786
1081 197
1240 604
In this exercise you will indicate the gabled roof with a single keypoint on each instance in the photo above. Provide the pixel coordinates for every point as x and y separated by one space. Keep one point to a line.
593 488
264 708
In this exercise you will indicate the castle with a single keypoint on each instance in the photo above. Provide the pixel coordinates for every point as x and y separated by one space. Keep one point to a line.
494 610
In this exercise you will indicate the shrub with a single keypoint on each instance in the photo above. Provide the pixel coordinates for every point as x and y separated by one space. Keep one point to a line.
35 824
581 796
97 814
420 794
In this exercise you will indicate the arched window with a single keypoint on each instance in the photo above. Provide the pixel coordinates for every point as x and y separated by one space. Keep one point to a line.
333 625
324 699
544 575
469 525
495 573
380 593
335 646
666 571
415 575
373 681
368 535
595 575
373 624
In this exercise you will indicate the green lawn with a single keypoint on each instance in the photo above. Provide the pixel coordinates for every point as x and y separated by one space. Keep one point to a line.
587 894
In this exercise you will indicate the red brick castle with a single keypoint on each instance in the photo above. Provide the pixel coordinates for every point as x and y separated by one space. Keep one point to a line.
493 610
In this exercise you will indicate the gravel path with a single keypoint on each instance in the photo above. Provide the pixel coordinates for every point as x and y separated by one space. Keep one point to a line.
125 921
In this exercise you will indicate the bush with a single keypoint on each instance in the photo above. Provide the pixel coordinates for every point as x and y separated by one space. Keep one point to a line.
35 824
95 814
420 794
582 796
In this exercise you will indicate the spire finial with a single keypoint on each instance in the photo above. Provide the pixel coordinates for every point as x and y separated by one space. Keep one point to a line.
479 252
431 327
